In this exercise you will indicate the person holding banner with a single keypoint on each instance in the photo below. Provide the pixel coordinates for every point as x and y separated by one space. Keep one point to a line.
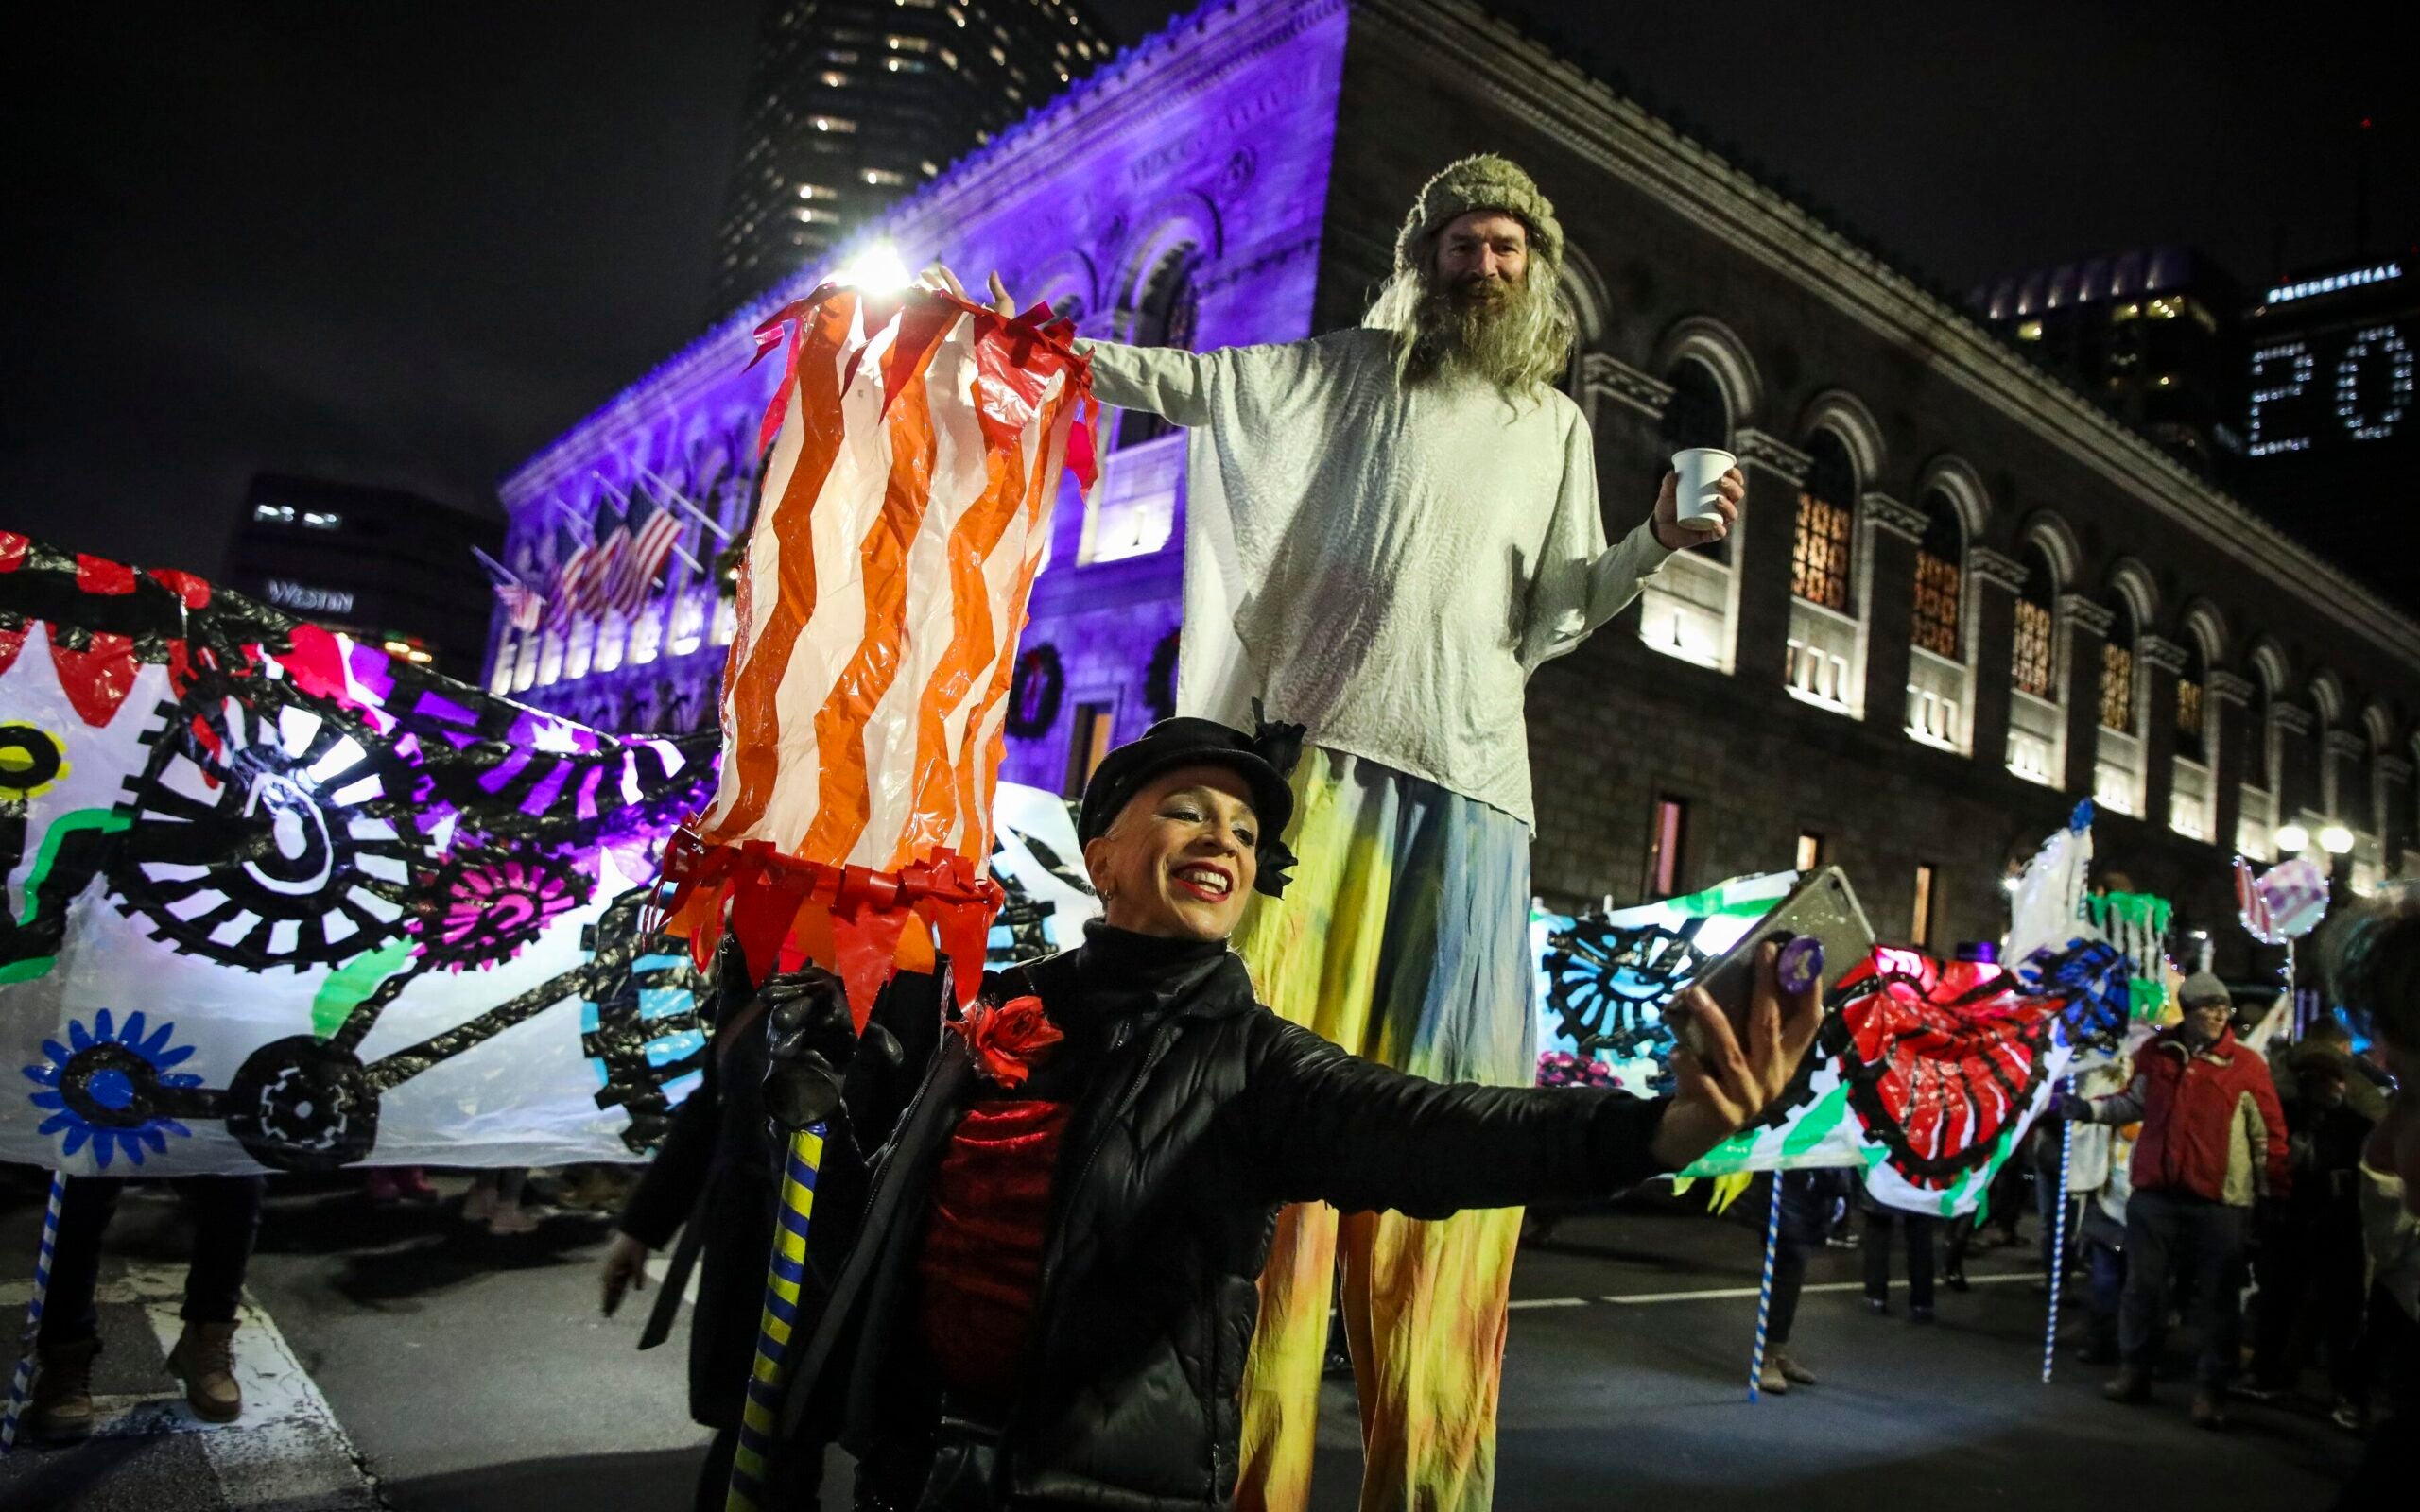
714 1182
227 1217
1388 530
1053 1287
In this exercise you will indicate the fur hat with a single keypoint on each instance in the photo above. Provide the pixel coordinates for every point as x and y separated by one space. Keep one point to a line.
1482 183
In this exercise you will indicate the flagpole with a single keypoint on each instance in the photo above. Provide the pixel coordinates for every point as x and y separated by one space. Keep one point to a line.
571 516
694 512
495 566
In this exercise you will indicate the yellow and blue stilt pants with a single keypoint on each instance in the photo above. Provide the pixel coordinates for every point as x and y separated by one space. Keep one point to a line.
1404 937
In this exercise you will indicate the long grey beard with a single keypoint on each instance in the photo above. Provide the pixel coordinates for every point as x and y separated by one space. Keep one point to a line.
1518 342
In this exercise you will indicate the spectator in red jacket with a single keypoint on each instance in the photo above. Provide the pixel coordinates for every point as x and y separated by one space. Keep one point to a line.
2213 1141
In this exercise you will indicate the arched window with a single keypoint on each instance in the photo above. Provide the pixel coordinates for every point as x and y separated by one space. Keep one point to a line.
2190 683
1819 560
1696 414
1940 562
1166 307
2032 660
2118 669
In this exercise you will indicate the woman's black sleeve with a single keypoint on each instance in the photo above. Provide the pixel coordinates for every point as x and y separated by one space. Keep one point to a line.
1330 1126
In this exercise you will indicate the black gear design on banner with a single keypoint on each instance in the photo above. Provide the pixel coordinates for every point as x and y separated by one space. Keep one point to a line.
532 883
302 1105
285 837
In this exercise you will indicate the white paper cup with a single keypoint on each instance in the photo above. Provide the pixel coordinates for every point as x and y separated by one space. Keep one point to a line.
1700 469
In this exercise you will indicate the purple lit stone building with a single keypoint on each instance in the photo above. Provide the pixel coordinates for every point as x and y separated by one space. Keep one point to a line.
1965 596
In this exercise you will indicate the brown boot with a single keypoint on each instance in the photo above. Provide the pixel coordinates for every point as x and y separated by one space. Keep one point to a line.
2132 1384
205 1361
62 1397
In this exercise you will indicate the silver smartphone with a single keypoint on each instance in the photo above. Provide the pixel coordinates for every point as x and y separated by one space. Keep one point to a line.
1822 907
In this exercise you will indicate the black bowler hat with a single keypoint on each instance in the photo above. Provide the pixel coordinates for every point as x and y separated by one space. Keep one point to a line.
1175 743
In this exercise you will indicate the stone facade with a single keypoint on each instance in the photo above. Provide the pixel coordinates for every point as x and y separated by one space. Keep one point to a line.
1264 152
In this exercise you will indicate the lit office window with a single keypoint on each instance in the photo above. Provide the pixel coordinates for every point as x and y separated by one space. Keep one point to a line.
2118 671
1093 723
1819 559
1810 850
2030 658
1939 579
1920 931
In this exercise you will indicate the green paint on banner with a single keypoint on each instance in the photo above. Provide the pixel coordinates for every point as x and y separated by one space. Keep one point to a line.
1725 1157
107 821
2145 911
27 970
1731 898
349 983
2147 999
1816 1125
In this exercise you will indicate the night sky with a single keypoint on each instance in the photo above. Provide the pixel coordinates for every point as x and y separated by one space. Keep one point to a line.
410 244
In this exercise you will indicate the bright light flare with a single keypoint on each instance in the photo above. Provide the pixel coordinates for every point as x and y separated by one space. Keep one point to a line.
878 269
2292 839
2336 839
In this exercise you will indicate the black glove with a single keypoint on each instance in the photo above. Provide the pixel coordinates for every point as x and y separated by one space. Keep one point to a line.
810 1042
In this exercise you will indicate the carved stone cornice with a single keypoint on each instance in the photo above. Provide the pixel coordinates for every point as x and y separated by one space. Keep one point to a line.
2293 720
1624 384
2083 614
1231 273
2226 687
1996 568
2345 744
1893 518
1755 448
2392 768
2158 651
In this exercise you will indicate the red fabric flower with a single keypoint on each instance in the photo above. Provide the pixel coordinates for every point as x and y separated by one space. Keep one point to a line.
1008 1038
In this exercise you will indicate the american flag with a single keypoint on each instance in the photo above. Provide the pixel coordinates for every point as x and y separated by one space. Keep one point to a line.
907 501
525 608
641 560
570 580
605 562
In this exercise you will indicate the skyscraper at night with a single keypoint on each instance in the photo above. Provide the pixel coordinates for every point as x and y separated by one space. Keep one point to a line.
854 103
2153 336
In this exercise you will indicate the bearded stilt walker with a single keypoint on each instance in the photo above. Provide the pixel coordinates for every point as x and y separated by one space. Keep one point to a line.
1388 530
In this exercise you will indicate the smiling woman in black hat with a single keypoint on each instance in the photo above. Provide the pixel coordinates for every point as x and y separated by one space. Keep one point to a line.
1053 1284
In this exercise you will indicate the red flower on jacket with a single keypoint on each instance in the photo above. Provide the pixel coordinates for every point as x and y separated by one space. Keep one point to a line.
1008 1038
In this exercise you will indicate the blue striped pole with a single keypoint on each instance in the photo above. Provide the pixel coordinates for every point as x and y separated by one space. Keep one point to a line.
1765 1294
22 1379
2058 1236
760 1416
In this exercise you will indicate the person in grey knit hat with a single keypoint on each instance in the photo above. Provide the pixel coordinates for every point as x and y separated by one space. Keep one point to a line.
1388 530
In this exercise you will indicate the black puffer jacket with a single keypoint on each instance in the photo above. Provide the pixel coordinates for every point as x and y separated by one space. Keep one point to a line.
1199 1115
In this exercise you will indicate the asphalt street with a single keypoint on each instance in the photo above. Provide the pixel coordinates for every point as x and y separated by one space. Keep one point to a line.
399 1360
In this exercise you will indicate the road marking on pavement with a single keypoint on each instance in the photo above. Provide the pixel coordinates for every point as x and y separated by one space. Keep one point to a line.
286 1450
1732 1292
1640 1299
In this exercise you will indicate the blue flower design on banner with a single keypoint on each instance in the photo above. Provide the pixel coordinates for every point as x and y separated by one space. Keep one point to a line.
104 1088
